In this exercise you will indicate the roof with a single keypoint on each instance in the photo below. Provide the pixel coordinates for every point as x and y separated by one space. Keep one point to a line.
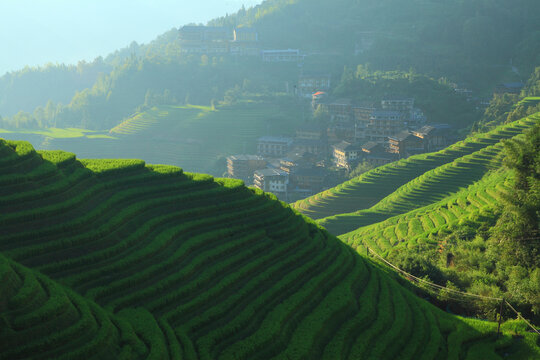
370 145
270 172
433 129
278 139
404 135
347 146
245 157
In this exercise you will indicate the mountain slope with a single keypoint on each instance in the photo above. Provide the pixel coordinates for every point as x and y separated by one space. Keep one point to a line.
196 267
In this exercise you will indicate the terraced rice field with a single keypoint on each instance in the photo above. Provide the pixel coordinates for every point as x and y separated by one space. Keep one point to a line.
196 138
423 225
409 184
118 259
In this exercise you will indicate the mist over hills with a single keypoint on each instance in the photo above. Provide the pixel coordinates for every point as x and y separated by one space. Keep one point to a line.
103 255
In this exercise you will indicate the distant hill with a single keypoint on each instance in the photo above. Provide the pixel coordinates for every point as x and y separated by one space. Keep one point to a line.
123 260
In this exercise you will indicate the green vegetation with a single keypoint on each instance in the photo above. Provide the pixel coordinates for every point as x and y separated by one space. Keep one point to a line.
470 224
55 133
196 137
157 263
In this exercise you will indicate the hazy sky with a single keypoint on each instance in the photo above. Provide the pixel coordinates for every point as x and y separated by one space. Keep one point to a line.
35 32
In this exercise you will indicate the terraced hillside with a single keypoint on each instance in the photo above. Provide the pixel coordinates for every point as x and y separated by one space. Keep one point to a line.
119 259
426 224
197 138
409 184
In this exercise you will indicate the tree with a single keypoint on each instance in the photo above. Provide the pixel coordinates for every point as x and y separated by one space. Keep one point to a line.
517 231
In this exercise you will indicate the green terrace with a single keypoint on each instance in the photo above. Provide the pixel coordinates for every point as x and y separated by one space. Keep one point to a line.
426 224
120 259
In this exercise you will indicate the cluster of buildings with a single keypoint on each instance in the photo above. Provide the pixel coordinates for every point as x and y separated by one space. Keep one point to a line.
296 167
380 134
291 168
221 40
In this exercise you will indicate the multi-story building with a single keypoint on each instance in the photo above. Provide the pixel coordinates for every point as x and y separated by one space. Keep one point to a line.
382 124
397 104
362 117
311 179
243 166
272 180
246 42
340 110
405 144
288 55
205 39
218 40
273 145
309 84
312 146
375 154
346 155
436 137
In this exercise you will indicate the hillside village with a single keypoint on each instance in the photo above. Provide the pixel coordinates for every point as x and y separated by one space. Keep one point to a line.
322 151
341 134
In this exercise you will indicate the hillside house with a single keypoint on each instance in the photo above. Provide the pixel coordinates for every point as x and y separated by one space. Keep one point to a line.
245 34
405 144
243 166
311 179
289 55
346 155
273 145
362 116
375 154
312 146
245 42
436 137
397 104
272 180
340 110
218 40
205 39
309 84
382 124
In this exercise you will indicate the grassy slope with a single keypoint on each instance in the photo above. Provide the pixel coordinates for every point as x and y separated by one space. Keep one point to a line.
194 137
187 266
406 185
